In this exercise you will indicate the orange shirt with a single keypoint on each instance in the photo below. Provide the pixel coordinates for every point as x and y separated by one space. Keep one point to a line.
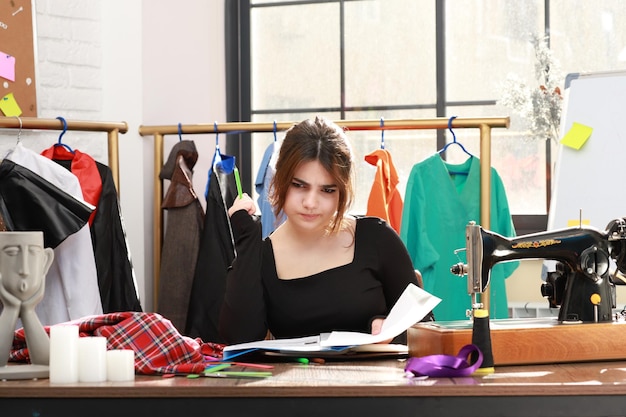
385 200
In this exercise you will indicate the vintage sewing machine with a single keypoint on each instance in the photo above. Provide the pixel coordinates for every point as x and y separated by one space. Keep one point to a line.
582 284
589 263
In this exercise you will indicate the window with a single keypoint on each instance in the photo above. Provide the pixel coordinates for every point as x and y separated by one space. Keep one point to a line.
372 59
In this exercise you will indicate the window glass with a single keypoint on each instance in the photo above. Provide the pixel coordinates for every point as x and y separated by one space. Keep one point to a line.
484 44
390 53
588 36
295 56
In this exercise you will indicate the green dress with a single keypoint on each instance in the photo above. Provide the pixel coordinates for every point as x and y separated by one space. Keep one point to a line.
440 200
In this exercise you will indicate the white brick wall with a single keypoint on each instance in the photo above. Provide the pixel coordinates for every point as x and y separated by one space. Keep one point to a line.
69 57
69 70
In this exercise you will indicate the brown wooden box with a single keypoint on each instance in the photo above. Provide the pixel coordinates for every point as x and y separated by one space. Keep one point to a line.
525 341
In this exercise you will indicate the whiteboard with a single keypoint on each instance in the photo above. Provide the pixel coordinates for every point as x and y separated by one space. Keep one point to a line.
591 180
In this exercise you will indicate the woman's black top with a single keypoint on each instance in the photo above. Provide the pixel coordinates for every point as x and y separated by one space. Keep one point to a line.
344 298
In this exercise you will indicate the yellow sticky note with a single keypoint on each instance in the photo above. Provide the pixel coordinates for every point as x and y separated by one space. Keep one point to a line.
577 222
9 106
577 136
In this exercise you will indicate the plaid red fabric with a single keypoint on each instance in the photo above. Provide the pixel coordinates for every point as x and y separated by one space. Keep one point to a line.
159 347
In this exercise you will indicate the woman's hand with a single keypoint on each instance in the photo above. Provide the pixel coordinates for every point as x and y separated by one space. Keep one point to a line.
377 325
244 203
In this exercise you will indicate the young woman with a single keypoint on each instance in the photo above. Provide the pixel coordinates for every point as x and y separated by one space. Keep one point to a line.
322 269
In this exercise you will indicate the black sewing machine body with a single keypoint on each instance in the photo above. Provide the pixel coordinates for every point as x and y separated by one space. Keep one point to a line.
582 284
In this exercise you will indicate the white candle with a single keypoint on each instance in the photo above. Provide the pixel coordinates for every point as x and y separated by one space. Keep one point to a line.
92 360
121 365
63 354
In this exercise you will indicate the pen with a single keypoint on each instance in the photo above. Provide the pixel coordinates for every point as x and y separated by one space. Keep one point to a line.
216 368
238 182
238 376
240 353
248 364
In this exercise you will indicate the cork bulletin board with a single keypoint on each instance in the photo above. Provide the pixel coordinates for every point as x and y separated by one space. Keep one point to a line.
18 95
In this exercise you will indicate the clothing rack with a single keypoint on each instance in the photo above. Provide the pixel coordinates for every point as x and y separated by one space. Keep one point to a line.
158 132
113 130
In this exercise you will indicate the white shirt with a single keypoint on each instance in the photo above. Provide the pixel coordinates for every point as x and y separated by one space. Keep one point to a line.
72 281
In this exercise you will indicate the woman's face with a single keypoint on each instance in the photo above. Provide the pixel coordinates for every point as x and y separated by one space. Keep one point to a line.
312 197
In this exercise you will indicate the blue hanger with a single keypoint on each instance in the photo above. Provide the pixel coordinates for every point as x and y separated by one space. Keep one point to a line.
275 131
382 134
217 135
60 143
454 141
180 132
225 163
217 154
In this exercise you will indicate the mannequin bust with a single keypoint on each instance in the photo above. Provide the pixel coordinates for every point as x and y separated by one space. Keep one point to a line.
24 263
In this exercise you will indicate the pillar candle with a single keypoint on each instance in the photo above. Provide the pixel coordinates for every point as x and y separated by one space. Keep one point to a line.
92 360
121 365
63 354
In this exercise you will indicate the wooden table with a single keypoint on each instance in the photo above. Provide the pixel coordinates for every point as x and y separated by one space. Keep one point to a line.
366 388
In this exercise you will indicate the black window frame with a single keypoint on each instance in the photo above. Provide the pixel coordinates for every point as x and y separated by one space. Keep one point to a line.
239 100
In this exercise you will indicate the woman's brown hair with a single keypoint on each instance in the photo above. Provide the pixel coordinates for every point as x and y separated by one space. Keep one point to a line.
312 140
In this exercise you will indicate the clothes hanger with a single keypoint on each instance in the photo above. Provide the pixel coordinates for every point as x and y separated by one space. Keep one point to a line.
180 132
382 133
60 143
19 132
217 155
275 130
216 159
454 141
225 163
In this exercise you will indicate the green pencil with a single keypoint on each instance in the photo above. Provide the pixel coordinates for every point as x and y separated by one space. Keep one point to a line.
238 181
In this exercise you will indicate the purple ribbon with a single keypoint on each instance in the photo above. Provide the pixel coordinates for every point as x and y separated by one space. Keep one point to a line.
445 365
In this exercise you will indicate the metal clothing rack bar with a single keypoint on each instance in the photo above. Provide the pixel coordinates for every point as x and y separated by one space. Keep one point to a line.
113 129
484 124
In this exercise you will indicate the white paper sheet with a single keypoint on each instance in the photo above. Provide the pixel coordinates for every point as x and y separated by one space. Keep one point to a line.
411 307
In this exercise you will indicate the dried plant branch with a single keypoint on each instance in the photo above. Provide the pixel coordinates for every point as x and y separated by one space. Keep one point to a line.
539 104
